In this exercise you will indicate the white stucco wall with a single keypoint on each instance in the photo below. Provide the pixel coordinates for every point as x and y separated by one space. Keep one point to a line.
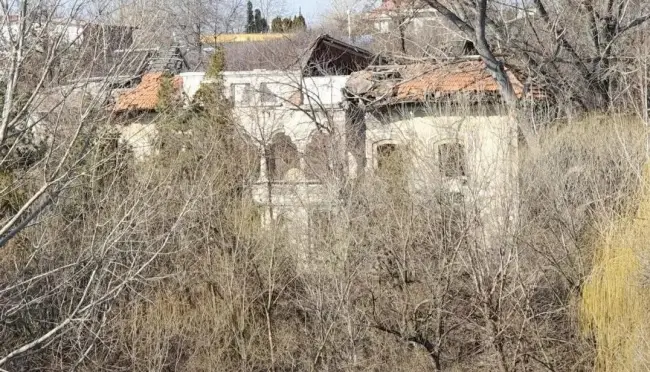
191 82
293 106
482 136
490 143
489 139
140 137
282 84
280 112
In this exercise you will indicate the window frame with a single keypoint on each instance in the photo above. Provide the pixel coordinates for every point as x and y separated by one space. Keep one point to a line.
247 94
402 174
271 156
265 92
457 171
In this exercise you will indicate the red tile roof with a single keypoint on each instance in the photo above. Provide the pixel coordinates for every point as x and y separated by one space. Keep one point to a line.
425 81
463 77
144 97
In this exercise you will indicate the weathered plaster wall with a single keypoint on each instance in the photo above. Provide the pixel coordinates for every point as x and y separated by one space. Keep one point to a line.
140 137
267 103
490 142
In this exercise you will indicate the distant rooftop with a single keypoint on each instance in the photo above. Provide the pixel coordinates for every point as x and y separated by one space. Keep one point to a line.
295 52
397 5
242 38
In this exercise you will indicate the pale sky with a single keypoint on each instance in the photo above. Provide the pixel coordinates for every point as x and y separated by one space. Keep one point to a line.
311 9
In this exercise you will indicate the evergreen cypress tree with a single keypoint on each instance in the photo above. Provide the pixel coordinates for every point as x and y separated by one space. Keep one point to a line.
264 26
276 24
257 21
211 93
165 93
299 23
217 63
286 25
250 18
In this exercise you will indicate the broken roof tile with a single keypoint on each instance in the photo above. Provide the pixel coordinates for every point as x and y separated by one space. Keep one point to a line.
145 96
423 81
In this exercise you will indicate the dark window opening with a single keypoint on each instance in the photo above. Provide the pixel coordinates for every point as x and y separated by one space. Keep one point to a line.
240 94
281 157
389 159
391 167
267 95
452 159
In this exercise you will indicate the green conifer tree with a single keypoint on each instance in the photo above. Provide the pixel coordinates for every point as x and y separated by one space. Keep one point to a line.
286 25
299 23
276 24
165 94
250 18
210 95
257 21
264 26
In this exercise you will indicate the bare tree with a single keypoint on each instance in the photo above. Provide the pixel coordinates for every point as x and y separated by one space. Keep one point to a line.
547 37
56 148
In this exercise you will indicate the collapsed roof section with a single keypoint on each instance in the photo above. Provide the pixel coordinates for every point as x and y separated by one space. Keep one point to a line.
126 65
425 82
149 70
330 56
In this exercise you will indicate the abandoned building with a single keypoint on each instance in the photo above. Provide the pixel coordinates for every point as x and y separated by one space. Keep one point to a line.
447 123
297 118
342 112
126 84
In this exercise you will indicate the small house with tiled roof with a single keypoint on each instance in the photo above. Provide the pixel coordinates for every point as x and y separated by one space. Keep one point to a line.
154 68
146 96
155 76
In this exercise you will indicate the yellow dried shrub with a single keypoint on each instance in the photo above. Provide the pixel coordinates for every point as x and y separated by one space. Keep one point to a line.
615 300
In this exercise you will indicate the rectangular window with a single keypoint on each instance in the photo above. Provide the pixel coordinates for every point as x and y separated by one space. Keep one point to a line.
267 96
452 159
240 94
391 161
392 167
387 157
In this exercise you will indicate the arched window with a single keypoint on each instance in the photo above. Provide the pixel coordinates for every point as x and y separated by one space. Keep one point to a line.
318 164
282 156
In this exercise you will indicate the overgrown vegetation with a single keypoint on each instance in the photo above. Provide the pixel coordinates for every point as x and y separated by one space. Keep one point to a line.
183 260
